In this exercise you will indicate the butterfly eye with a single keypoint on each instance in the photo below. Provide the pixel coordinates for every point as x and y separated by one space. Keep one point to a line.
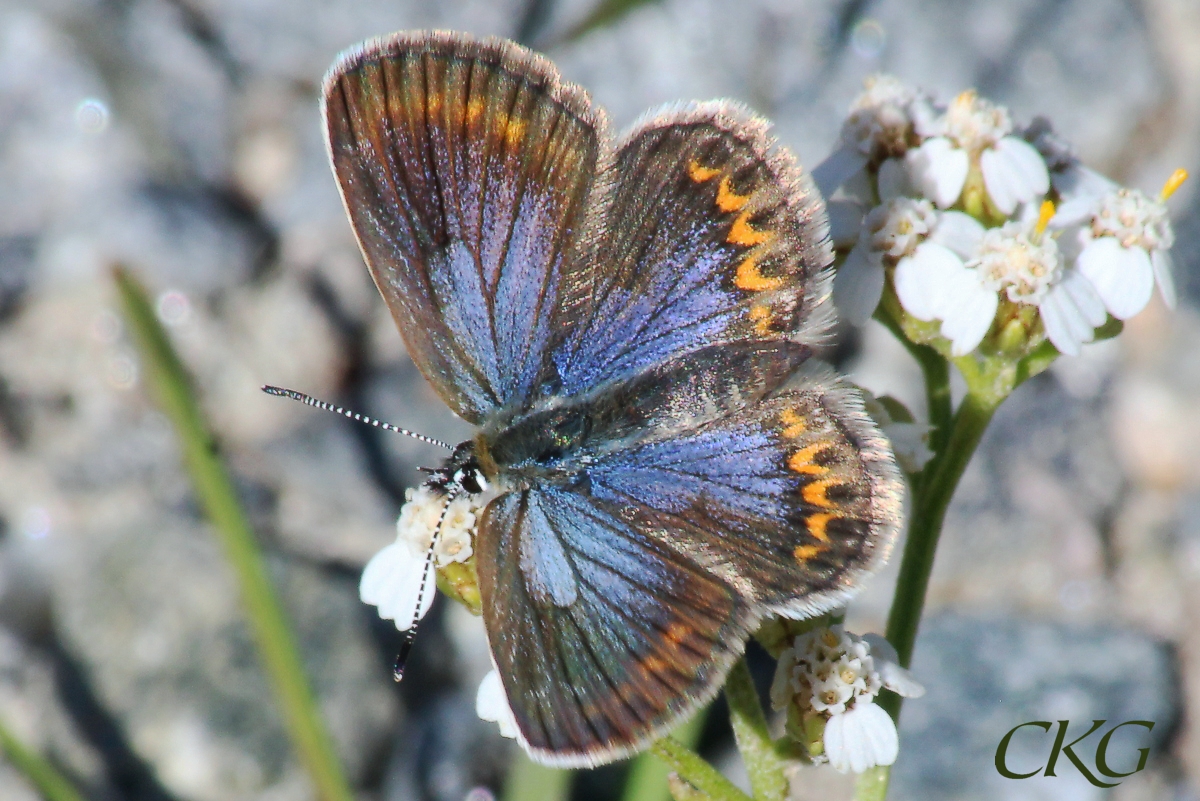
471 479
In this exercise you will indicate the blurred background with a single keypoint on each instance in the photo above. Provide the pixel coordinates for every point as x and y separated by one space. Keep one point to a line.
182 137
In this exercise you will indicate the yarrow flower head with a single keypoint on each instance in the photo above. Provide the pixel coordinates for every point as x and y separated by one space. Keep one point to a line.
827 682
986 237
879 129
396 578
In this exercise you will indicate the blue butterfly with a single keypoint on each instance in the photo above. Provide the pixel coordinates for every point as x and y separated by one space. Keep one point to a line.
627 323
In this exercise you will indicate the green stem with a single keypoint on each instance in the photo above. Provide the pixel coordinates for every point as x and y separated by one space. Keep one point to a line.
649 778
929 512
212 484
696 772
40 773
763 764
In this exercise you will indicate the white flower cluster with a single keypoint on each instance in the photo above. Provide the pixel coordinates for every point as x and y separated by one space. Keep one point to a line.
833 676
961 210
393 579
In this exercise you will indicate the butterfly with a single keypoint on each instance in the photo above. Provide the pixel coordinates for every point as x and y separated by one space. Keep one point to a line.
628 322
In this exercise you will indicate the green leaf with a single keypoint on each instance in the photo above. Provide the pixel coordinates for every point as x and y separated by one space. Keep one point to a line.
40 773
173 389
603 14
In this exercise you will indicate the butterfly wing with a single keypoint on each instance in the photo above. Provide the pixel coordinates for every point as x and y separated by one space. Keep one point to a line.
603 638
709 491
464 166
706 233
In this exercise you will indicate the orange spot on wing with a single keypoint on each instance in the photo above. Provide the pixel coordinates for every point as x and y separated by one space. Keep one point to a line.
761 315
816 525
676 632
700 174
727 199
805 552
793 423
749 278
514 132
743 234
802 460
652 664
814 493
474 109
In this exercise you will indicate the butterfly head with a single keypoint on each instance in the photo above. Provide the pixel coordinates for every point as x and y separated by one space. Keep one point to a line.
462 473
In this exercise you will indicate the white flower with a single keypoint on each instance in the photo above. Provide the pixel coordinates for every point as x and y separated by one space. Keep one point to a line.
878 127
862 738
836 676
974 129
393 579
492 704
1125 252
893 230
934 283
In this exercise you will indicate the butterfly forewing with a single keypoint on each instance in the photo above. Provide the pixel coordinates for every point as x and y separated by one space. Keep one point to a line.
708 233
464 167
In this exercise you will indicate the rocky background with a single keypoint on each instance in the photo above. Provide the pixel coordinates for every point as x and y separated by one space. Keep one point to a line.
181 137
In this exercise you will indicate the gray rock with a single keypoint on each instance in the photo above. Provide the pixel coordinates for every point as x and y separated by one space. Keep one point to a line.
985 675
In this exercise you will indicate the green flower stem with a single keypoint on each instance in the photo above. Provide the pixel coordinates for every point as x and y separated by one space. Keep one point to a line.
763 764
696 772
172 386
929 512
41 774
649 778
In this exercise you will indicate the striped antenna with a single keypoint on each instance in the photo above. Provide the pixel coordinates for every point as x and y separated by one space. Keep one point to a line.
362 418
410 634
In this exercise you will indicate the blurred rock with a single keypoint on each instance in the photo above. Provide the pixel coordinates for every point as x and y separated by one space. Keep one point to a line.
986 675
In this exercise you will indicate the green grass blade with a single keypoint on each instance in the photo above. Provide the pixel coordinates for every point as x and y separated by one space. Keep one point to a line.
41 774
172 387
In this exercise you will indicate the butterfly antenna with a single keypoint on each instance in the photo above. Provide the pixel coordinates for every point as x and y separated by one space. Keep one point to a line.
362 418
410 633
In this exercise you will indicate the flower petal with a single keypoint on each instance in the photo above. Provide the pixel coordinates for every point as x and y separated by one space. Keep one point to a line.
492 704
1124 277
845 220
858 286
1079 181
1065 325
391 581
861 738
923 279
938 169
837 168
1027 166
1163 267
970 311
960 232
893 180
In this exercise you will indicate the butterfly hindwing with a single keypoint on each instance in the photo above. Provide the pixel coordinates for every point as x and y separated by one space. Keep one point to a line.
707 233
791 500
464 166
603 638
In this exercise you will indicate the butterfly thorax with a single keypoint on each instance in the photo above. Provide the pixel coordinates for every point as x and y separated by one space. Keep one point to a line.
538 448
